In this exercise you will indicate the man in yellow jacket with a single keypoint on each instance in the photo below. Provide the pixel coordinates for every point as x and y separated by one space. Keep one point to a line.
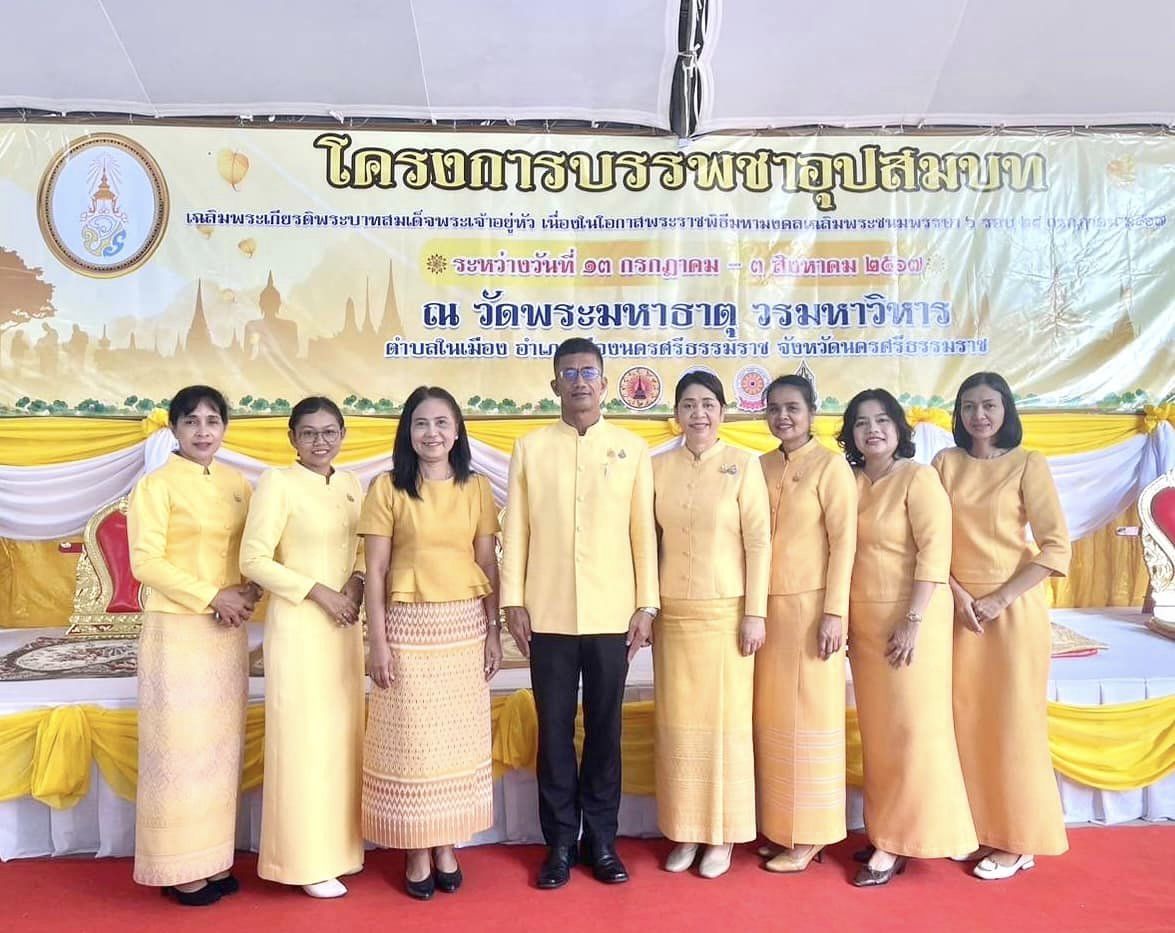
579 586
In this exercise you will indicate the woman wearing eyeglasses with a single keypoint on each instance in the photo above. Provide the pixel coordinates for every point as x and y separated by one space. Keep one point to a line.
300 543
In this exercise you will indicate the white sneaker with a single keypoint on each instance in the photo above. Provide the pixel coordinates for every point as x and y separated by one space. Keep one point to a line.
990 870
332 887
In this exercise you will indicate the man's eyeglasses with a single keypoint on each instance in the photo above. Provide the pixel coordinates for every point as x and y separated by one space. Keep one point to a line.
587 373
309 435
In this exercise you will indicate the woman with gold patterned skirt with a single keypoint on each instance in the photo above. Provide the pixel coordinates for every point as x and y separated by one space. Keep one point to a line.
300 544
800 670
1002 629
900 634
715 558
429 528
184 524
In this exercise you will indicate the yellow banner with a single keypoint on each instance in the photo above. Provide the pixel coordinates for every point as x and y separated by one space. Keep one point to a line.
276 263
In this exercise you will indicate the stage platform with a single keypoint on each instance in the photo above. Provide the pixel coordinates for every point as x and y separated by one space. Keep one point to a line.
1138 665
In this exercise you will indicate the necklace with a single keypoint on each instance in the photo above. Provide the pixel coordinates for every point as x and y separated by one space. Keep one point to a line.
884 473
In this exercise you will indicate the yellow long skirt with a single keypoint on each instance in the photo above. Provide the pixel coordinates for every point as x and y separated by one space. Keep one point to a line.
915 800
1001 722
703 696
799 727
313 746
427 769
193 686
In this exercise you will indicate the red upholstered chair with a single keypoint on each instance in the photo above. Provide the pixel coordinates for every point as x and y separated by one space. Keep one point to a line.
1156 511
107 600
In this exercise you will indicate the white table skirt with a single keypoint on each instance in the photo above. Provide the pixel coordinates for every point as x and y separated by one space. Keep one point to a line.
1139 665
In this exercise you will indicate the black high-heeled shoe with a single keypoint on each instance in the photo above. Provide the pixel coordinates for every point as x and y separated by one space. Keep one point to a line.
226 885
421 890
449 881
201 897
870 878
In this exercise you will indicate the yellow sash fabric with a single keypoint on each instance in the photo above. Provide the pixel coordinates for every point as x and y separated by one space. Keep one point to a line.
47 753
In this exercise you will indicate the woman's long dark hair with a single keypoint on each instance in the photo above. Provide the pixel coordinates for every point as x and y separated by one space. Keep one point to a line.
1011 432
405 463
905 448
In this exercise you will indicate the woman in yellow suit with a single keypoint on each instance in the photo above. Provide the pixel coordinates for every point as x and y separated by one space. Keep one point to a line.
1002 632
800 672
715 559
429 529
184 524
900 636
300 544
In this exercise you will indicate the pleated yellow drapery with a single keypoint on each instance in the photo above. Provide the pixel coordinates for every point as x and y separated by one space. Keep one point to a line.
48 753
42 441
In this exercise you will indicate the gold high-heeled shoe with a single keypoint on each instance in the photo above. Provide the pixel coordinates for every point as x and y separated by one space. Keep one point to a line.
787 864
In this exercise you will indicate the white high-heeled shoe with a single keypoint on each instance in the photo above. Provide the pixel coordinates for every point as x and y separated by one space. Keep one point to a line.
716 861
332 887
682 857
990 870
976 856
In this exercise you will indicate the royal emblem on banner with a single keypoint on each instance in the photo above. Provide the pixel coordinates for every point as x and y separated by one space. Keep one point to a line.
640 388
749 383
103 205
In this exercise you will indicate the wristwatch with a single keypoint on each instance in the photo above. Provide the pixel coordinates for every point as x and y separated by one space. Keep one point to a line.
653 611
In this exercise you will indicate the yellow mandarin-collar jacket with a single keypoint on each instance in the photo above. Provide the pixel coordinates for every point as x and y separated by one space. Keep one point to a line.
713 516
184 524
302 531
903 534
579 539
813 499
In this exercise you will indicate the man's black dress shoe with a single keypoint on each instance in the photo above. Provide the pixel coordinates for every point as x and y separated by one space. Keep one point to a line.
604 863
556 870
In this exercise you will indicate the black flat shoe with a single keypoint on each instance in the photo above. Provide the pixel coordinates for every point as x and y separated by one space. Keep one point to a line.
870 878
421 890
226 885
556 870
201 897
863 855
605 864
449 881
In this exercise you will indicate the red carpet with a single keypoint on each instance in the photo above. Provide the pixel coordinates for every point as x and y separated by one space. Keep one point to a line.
1112 879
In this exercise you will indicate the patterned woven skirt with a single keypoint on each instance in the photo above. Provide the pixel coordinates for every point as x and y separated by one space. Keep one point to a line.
427 774
193 685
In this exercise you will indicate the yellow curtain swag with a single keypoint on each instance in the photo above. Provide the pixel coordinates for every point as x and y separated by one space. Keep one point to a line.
48 753
1154 415
37 441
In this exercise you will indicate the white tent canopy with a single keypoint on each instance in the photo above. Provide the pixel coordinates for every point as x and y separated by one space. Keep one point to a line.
745 63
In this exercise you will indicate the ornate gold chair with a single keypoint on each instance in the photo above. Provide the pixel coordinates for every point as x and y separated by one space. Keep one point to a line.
1156 512
107 600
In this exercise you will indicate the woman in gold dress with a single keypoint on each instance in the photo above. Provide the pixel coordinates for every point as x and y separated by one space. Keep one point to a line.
184 525
432 580
300 544
1002 631
715 559
799 710
900 636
